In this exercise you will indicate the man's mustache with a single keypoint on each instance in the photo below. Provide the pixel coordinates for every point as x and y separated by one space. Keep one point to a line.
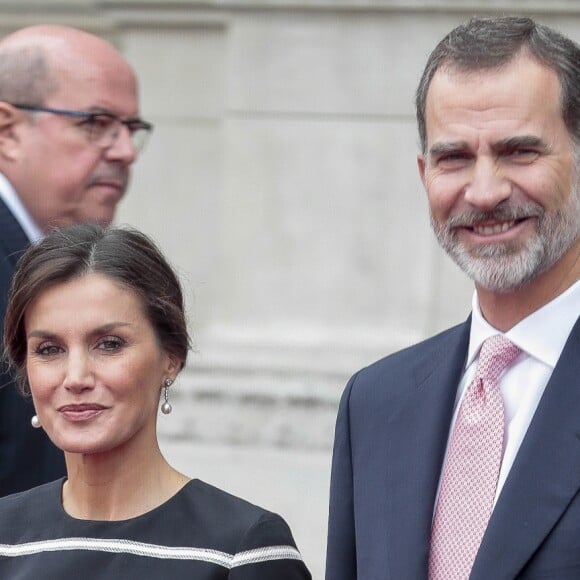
503 212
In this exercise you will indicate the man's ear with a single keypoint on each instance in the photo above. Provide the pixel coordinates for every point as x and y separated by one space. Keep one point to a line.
421 166
10 119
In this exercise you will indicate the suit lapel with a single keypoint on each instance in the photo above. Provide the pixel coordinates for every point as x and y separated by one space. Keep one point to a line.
533 498
417 437
13 240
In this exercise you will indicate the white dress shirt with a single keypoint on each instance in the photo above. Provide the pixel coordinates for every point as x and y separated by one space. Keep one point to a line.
10 198
541 336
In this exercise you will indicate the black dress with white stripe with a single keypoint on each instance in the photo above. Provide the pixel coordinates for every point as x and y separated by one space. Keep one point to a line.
201 533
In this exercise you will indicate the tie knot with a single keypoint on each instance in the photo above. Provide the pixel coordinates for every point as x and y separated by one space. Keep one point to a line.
496 354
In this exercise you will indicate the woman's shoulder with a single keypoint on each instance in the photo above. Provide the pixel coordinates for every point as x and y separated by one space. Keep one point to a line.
229 523
227 511
250 533
20 510
220 500
32 498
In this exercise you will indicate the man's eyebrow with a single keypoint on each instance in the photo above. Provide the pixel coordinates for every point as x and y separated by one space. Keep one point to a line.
99 109
109 113
518 141
447 147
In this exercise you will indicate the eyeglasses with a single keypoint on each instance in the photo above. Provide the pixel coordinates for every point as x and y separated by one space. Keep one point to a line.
102 129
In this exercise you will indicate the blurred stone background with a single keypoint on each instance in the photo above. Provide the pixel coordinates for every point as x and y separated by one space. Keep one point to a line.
281 181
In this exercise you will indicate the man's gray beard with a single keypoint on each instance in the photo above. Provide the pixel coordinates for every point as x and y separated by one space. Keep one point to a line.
507 267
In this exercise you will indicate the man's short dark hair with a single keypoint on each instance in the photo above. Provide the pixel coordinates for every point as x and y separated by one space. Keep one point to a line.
490 43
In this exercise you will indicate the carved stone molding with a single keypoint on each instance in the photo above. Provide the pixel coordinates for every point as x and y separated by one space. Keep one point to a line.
453 6
107 16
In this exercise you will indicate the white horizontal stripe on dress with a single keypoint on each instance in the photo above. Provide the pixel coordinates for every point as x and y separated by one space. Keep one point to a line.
153 551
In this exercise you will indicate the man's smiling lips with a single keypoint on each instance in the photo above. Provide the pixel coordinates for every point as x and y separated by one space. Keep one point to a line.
488 229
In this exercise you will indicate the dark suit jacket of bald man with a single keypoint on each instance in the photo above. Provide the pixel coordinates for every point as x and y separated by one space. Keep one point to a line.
390 442
27 457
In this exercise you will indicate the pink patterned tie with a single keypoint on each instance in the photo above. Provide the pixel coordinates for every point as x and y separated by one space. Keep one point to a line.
471 467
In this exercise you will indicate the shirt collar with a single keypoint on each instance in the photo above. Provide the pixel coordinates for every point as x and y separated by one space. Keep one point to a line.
542 334
18 210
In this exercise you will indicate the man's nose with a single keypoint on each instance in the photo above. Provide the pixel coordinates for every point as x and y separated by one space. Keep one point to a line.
487 186
123 149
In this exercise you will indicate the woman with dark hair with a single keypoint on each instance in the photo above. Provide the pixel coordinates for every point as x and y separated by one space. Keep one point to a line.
95 330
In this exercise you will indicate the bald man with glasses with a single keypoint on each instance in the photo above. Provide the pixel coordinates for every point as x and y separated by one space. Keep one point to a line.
69 132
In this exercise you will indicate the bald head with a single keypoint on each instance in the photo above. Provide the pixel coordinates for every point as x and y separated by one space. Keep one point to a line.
35 60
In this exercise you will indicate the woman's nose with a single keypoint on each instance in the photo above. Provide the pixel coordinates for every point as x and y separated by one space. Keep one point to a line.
79 375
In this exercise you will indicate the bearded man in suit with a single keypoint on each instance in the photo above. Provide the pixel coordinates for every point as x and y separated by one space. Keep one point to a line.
459 457
69 132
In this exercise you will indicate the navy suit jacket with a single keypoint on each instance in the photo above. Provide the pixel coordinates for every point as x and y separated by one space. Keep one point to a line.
27 457
390 440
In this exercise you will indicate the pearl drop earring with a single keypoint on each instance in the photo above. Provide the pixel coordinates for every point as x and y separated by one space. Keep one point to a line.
166 407
35 422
